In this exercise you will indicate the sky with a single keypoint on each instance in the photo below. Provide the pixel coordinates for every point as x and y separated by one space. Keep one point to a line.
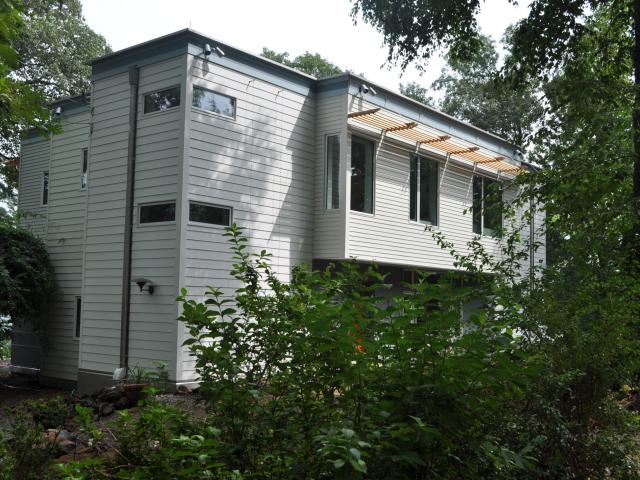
294 26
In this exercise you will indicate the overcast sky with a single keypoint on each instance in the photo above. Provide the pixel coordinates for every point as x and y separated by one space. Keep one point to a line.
294 26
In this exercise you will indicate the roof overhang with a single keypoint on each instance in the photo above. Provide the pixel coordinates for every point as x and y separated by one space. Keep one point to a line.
428 139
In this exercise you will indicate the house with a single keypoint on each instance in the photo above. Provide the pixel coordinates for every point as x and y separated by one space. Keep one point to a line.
182 135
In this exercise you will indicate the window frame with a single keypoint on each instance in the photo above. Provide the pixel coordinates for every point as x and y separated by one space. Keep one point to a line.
209 112
155 90
418 220
374 143
326 172
149 204
43 175
204 224
77 320
84 153
495 233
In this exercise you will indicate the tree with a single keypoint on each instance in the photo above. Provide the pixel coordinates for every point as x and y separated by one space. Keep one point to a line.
474 92
310 63
52 49
544 42
417 92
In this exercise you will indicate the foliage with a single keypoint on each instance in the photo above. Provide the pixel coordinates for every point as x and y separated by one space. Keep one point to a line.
417 92
27 282
310 63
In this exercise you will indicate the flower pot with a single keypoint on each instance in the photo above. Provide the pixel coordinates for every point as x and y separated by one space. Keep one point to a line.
135 392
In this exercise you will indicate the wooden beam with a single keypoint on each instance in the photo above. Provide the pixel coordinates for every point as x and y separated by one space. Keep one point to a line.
466 150
363 112
406 126
443 138
497 159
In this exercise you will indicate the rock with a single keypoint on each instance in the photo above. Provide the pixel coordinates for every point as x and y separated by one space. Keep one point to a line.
110 394
63 435
67 445
183 389
121 403
105 409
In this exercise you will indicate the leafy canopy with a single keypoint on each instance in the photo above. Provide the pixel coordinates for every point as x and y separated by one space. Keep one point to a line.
310 63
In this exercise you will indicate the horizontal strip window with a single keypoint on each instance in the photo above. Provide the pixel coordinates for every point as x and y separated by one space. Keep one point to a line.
162 100
158 212
209 214
214 102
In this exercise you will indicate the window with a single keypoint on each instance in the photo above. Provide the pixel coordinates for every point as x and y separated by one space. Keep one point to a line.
423 190
76 332
362 175
162 100
158 212
332 173
214 102
487 206
84 168
212 214
45 188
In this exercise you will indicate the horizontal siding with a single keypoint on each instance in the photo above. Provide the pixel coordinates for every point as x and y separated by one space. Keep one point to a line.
329 225
34 159
102 281
261 164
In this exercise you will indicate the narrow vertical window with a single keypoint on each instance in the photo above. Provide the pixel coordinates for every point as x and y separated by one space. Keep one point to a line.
332 173
362 175
423 190
78 317
84 168
487 207
45 188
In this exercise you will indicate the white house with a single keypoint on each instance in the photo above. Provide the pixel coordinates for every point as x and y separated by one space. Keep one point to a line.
182 135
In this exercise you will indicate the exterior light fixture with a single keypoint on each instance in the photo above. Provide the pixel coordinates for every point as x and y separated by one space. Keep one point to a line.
206 50
364 88
142 283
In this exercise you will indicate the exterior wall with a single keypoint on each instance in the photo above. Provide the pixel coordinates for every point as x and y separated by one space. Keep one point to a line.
260 164
329 241
35 156
152 330
65 244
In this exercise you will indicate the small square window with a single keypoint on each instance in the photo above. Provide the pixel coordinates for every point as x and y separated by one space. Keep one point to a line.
214 102
211 214
162 100
158 212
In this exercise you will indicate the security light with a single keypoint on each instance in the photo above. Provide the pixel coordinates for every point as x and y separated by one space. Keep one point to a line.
206 50
57 111
364 88
142 282
219 51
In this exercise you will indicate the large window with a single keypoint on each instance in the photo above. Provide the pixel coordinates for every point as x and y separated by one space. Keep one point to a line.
423 190
214 102
332 173
211 214
45 188
158 212
84 168
487 206
362 175
162 100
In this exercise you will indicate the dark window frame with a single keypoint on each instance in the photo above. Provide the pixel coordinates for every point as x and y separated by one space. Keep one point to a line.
479 207
45 187
77 326
212 205
166 89
415 193
364 140
211 112
331 175
154 204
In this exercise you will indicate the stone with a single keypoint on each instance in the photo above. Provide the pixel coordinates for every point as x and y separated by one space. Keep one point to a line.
63 435
105 409
110 394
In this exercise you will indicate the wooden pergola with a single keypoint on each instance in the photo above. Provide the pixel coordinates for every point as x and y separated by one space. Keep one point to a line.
422 135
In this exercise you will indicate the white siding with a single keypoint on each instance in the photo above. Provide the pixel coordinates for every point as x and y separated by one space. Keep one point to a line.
329 225
102 284
35 154
65 240
153 320
261 164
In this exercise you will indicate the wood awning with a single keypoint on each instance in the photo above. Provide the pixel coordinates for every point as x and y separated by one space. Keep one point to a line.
423 135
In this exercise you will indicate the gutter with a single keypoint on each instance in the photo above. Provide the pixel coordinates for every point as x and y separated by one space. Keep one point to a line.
134 77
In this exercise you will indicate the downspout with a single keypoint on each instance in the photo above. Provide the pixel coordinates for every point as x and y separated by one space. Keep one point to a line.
134 76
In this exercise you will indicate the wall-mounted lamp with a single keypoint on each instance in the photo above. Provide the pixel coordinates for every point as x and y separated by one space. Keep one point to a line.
57 111
207 50
364 88
145 285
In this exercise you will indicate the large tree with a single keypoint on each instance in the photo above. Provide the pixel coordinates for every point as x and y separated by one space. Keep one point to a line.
543 43
52 47
309 63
